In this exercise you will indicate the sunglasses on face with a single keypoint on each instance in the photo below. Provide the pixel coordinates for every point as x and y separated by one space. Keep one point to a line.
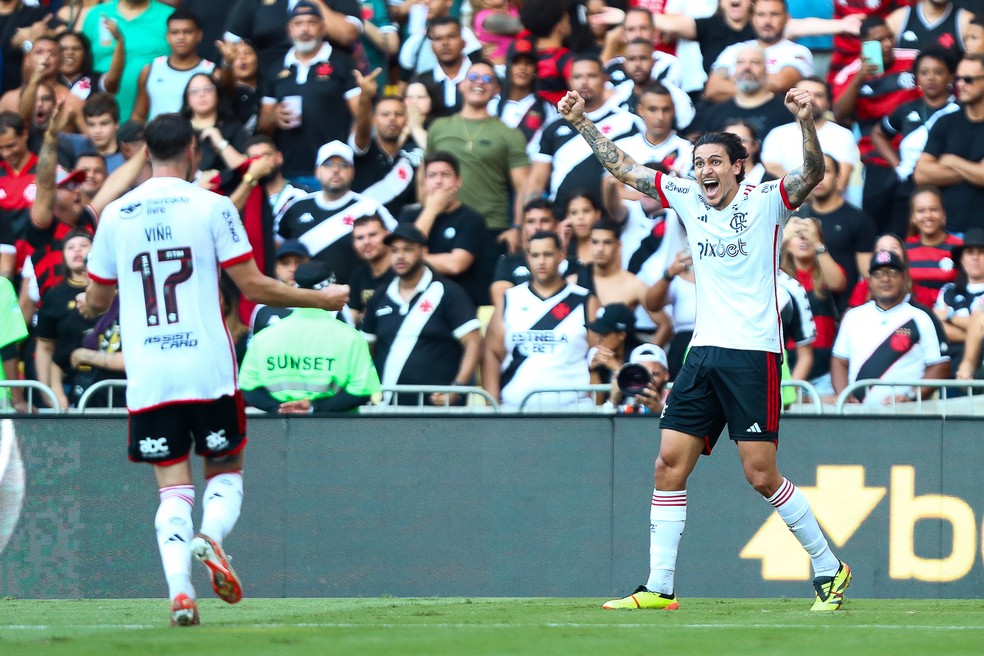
967 79
484 78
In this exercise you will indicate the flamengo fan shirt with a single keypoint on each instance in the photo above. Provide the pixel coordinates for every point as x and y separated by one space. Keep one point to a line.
736 256
162 244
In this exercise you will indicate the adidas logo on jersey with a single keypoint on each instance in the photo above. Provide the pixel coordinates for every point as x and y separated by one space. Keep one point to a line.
754 428
521 271
305 218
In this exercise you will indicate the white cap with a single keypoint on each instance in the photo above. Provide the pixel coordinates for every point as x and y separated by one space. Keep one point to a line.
335 149
649 353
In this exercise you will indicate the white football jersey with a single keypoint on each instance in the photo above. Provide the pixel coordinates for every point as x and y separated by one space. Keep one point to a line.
546 342
736 257
162 244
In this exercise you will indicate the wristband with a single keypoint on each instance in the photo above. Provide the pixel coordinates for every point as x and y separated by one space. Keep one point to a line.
250 180
667 276
223 145
821 249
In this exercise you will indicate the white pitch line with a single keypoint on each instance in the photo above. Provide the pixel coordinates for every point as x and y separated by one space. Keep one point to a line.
549 625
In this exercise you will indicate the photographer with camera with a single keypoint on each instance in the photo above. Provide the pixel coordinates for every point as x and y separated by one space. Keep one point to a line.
640 385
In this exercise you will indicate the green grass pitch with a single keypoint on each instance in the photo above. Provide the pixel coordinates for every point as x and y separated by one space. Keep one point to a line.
473 626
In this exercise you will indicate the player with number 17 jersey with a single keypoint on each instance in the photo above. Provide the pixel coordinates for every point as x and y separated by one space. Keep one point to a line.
737 251
162 244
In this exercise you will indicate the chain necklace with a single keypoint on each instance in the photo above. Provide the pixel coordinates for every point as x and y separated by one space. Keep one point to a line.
470 140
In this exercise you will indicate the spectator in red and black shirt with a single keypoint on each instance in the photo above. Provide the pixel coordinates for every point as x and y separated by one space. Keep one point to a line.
930 246
805 258
547 24
17 186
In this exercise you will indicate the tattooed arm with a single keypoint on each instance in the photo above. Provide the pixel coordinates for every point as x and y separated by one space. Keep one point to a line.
623 167
801 181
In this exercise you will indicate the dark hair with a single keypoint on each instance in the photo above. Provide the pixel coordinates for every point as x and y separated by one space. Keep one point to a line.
86 68
441 21
654 88
732 146
90 153
640 42
389 96
168 135
584 56
818 80
264 139
926 189
370 218
540 17
752 132
939 53
76 232
608 225
833 160
443 156
538 204
587 195
182 13
870 23
975 57
547 234
101 103
12 121
223 109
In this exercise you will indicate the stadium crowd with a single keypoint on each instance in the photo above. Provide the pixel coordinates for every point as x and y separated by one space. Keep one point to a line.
413 149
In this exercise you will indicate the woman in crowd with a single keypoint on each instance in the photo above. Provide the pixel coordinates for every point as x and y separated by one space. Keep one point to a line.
930 246
240 80
420 105
223 138
959 299
891 242
76 68
805 260
678 290
583 210
755 172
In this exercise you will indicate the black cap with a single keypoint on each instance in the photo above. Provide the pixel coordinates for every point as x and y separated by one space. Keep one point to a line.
305 8
314 275
293 247
973 238
408 232
130 131
521 48
616 317
889 259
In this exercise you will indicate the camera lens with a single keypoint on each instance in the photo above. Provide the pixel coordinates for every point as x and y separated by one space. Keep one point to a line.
632 378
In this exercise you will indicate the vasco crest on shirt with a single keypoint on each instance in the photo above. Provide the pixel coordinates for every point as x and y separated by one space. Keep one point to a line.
901 341
324 70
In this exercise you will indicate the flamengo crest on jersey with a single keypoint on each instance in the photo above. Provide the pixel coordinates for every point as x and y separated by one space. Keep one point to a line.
736 256
162 244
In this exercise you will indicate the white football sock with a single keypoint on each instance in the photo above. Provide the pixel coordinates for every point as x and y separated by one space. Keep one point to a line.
792 506
174 534
221 504
667 518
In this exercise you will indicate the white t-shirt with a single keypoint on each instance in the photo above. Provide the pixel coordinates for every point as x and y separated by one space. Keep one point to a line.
163 244
777 57
674 151
784 145
736 257
894 344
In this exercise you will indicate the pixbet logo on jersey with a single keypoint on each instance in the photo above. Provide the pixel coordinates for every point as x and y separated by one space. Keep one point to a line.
710 249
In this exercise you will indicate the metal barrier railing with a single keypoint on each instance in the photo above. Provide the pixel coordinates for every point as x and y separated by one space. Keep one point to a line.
110 386
30 386
968 403
586 405
803 387
477 400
